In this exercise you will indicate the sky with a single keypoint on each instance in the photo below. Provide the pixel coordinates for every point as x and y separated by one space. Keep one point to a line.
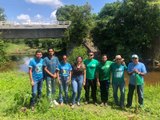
42 10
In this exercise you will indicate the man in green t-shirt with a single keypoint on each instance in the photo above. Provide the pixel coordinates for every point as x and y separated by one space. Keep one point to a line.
91 81
117 70
103 75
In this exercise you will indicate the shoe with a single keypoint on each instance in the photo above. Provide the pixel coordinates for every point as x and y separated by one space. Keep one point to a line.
51 105
122 107
72 106
101 105
86 102
96 104
55 102
128 106
61 103
32 108
105 104
78 103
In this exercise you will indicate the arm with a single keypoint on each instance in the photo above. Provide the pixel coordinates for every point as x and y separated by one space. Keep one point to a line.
84 78
30 76
47 71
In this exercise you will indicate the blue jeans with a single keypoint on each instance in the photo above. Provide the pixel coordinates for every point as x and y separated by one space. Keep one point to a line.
77 82
121 86
63 87
130 94
50 86
37 87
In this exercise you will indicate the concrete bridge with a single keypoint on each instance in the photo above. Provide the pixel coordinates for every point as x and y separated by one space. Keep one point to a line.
11 30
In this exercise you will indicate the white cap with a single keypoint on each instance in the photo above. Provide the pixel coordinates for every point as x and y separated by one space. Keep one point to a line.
118 57
134 56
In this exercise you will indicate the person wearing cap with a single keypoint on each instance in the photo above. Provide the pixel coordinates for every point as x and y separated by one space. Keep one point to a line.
91 80
103 76
136 71
117 70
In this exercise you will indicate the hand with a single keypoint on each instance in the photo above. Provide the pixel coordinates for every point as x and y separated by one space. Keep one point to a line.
32 83
54 75
98 83
84 83
68 81
136 71
59 82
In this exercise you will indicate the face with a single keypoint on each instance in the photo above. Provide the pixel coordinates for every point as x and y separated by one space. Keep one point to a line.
104 58
135 60
64 58
79 59
119 60
38 55
91 55
51 52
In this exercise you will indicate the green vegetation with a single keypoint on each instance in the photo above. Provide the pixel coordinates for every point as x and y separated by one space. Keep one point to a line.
15 95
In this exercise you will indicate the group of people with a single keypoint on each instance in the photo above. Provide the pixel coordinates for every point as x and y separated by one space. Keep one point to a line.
89 73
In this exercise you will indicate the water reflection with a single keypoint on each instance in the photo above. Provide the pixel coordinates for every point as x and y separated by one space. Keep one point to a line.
24 65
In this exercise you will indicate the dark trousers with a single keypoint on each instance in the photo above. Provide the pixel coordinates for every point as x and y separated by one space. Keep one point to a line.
104 89
139 92
93 85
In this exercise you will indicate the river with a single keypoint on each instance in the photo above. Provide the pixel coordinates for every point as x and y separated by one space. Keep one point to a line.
151 78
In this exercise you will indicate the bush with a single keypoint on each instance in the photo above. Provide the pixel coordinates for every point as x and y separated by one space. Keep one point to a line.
77 51
2 52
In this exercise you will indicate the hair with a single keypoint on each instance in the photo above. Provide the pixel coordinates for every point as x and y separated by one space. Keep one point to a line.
50 48
38 51
80 57
104 55
91 52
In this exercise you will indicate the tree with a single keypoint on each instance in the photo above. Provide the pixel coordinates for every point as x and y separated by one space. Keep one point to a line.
2 15
131 28
81 19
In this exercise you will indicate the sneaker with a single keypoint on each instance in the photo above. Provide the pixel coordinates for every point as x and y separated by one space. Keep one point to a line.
105 104
55 102
32 108
86 102
95 103
101 105
72 106
78 103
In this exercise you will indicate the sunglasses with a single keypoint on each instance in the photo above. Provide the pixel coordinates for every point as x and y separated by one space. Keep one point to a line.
90 54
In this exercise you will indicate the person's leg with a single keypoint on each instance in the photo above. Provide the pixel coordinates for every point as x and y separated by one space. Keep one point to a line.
94 89
53 88
140 94
102 89
65 88
122 92
80 82
34 92
115 91
48 88
107 84
74 88
40 84
61 90
87 88
130 95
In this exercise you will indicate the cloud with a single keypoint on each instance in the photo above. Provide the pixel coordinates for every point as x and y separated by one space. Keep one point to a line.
53 15
38 16
24 18
53 3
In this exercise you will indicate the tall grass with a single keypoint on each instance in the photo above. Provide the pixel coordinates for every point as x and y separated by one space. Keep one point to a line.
15 93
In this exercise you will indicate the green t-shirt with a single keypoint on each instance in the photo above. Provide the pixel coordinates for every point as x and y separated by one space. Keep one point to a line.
118 73
104 70
91 66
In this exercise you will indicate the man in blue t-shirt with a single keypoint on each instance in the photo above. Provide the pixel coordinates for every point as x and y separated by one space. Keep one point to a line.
51 64
136 70
36 76
64 79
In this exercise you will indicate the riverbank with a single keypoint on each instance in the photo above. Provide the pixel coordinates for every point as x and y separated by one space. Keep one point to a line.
15 94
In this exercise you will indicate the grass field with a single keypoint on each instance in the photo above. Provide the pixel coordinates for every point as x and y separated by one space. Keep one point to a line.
15 93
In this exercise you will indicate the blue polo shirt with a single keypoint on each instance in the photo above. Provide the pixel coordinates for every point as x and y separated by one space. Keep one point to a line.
133 77
65 69
37 69
51 64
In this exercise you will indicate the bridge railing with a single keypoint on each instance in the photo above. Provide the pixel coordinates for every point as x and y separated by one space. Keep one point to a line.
12 23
